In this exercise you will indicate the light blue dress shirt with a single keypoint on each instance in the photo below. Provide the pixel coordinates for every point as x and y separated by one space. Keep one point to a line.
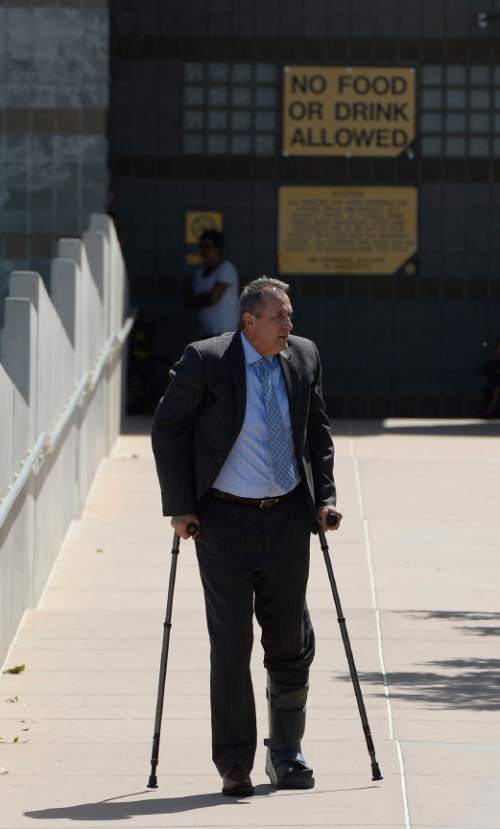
248 470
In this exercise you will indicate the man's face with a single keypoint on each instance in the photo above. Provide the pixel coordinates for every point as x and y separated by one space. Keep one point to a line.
268 332
210 253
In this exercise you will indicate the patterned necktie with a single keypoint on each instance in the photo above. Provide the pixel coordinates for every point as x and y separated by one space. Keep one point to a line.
283 467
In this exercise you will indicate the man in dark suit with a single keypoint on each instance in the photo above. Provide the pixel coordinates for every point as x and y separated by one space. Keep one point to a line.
243 449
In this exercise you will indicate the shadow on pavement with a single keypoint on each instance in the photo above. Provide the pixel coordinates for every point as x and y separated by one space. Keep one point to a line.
475 688
107 810
417 426
466 683
137 425
141 425
463 616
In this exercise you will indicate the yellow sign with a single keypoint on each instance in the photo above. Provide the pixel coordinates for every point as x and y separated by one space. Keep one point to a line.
198 221
193 259
350 230
358 110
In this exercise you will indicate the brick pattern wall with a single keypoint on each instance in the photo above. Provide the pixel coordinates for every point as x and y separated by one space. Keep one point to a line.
53 113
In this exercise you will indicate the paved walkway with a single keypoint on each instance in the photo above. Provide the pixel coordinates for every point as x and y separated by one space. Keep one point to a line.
418 565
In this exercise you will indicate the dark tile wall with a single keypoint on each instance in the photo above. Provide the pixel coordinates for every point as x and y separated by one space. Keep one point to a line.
304 18
394 345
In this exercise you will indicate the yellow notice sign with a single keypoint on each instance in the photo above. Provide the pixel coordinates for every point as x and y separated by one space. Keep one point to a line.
351 230
193 259
199 220
358 110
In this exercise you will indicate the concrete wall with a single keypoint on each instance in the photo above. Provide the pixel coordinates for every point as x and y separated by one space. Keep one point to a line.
53 106
48 344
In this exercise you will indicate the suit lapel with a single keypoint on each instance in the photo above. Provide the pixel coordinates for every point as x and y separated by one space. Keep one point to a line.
236 359
293 388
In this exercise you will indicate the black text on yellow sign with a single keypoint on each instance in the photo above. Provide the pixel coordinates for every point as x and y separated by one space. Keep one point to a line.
347 230
348 111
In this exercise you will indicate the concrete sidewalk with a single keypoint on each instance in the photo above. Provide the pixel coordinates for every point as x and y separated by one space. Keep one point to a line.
417 563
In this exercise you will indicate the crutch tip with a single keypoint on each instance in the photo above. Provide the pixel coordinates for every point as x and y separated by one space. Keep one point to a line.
376 773
153 782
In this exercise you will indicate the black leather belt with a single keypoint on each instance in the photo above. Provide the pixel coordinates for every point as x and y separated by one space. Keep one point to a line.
259 503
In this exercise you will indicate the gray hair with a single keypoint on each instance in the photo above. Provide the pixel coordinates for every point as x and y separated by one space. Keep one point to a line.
252 299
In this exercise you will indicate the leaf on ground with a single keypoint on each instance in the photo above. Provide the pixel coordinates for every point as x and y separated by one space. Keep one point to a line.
24 729
134 456
12 699
4 771
99 550
14 740
17 669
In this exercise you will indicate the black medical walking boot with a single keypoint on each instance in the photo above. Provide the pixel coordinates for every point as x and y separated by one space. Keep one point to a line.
286 766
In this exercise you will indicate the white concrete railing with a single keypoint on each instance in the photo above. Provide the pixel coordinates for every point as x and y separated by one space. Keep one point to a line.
60 403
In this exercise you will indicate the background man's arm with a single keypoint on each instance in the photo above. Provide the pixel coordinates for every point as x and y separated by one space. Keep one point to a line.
197 301
172 434
493 402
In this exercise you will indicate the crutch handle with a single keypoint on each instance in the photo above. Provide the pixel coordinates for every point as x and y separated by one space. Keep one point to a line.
192 528
331 519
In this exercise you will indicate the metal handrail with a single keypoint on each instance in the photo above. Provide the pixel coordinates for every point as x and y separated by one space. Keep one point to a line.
47 442
53 437
106 354
21 477
126 329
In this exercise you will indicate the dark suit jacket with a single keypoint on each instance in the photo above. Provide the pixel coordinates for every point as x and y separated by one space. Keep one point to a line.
201 414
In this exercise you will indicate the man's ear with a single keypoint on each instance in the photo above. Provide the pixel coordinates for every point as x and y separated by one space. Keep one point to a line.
248 319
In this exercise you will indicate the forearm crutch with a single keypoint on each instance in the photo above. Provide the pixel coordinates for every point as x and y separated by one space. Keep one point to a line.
167 625
376 775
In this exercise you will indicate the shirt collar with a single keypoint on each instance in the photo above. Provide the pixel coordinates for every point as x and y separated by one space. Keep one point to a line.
251 354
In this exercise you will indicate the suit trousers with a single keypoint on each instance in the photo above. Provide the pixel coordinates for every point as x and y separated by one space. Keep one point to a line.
256 560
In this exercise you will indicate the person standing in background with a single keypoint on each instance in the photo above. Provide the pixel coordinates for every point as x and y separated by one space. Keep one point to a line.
215 288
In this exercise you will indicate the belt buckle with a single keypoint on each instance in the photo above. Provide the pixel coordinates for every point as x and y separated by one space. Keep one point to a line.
268 502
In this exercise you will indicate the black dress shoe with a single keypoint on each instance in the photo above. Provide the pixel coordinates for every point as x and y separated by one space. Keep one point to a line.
288 770
236 783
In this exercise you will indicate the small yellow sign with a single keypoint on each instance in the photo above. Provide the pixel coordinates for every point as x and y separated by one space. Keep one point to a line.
348 230
348 111
199 220
193 259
